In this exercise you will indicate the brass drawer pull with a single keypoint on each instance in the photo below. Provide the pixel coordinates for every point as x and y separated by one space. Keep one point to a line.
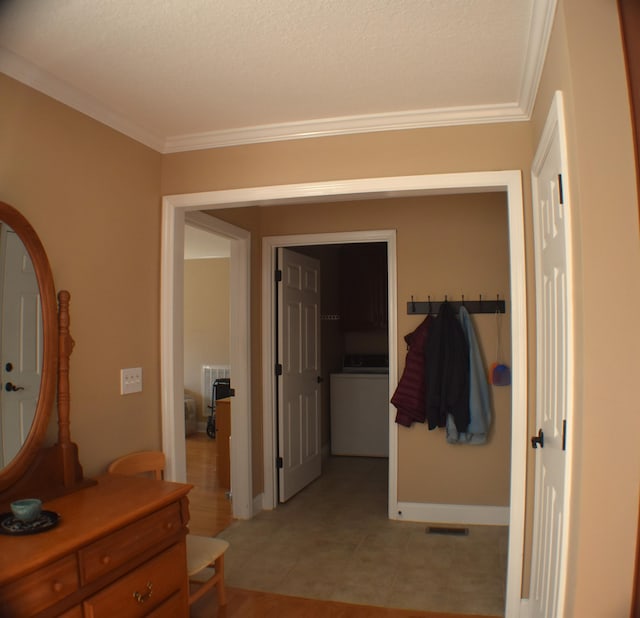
142 597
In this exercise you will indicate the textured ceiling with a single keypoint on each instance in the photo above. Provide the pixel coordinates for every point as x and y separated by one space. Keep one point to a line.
180 74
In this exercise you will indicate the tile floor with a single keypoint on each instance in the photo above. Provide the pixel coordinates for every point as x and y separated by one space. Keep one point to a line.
334 541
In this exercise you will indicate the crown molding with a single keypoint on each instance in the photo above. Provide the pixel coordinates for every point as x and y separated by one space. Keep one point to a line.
31 75
542 18
371 123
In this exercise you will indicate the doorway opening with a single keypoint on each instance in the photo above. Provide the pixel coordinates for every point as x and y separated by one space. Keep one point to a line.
432 232
174 208
206 358
341 374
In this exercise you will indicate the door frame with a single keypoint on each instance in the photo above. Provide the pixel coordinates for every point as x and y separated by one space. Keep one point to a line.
175 213
174 208
270 246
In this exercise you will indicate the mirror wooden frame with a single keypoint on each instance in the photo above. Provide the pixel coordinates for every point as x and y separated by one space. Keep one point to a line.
37 471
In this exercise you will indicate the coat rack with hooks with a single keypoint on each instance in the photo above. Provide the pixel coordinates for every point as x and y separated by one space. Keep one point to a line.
481 305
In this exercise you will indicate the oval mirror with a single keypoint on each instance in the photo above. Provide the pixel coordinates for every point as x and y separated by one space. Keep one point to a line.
28 344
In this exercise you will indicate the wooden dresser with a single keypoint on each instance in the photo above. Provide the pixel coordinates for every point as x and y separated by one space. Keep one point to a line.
118 550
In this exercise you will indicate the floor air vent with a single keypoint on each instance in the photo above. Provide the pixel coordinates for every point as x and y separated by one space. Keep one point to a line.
447 530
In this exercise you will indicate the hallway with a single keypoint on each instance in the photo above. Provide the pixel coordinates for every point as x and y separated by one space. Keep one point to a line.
333 541
209 507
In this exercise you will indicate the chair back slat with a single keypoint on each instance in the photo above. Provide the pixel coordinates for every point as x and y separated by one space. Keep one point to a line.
143 462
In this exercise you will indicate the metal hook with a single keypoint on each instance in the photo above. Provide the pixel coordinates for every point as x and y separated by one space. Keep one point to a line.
463 301
429 299
413 304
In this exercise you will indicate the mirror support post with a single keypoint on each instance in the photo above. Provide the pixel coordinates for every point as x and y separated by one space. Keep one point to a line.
65 347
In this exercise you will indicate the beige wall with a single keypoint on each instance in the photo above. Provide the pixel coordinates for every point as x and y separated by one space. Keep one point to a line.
93 197
391 153
585 61
206 322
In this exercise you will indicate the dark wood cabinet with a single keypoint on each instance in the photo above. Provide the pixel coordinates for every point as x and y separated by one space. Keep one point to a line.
364 286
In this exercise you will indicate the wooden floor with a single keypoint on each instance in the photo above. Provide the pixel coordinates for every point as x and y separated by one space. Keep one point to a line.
209 506
249 604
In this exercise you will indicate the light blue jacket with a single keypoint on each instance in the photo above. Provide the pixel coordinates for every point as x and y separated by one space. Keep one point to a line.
479 401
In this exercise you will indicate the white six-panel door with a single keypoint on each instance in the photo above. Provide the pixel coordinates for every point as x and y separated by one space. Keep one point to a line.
299 437
554 368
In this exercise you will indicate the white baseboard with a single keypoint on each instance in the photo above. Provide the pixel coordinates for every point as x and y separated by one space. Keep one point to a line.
258 504
470 514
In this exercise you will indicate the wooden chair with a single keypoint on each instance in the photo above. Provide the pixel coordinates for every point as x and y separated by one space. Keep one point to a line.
205 555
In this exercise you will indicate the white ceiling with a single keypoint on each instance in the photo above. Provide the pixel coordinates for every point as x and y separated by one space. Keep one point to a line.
187 74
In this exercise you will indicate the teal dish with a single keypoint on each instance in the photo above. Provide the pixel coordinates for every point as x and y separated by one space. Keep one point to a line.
27 510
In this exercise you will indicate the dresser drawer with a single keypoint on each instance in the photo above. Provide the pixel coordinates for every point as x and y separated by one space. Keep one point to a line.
128 543
37 591
175 606
144 589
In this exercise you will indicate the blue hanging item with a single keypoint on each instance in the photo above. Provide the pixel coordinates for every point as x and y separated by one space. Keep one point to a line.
479 400
500 373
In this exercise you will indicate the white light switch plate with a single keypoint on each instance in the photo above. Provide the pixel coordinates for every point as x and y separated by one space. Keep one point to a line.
131 380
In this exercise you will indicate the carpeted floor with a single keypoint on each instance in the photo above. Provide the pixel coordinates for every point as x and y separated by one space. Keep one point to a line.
333 541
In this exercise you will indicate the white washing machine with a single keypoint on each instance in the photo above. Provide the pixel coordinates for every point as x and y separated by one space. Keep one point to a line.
360 414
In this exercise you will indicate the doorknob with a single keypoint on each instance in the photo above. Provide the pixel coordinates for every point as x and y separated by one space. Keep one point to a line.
12 388
539 439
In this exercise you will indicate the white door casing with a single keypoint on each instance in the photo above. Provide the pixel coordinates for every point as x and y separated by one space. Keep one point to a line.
270 246
299 434
175 206
175 210
21 345
554 395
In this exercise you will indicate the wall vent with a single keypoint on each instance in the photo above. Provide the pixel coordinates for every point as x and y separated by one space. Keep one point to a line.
209 374
447 531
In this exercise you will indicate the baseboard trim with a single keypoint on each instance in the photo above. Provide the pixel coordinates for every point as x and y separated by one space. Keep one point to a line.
258 504
524 608
453 513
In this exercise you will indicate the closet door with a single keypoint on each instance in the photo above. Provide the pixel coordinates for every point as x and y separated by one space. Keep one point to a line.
554 324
